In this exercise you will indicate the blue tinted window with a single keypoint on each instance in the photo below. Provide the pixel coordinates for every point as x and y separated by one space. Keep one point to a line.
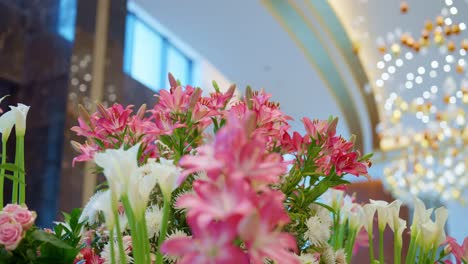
149 56
179 65
66 19
145 61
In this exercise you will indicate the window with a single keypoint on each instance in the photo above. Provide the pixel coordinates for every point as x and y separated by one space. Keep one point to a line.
179 65
149 56
66 19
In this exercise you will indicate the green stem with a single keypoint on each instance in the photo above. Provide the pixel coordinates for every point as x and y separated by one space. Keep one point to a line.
145 239
341 232
422 256
122 256
163 231
396 249
2 171
112 249
350 245
20 164
411 256
336 231
381 245
136 239
14 191
432 255
371 244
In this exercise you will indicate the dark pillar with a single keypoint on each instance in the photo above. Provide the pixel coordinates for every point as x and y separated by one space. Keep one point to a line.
34 71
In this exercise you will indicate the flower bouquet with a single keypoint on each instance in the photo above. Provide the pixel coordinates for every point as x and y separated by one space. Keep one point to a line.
215 179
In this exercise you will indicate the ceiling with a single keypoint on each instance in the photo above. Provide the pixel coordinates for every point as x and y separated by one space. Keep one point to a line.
247 42
244 41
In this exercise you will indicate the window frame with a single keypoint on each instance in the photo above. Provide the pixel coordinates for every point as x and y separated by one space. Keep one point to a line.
131 19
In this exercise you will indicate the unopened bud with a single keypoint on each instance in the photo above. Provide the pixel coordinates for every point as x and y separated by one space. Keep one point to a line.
141 111
103 111
75 145
172 81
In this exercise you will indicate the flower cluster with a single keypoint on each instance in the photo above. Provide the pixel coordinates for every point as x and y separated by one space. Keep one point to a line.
113 128
243 223
15 220
236 196
335 153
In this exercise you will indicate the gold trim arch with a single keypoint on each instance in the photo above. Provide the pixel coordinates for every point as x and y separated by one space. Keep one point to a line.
322 51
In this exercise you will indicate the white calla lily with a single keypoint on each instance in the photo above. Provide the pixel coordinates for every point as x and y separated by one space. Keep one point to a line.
433 233
393 210
368 213
398 232
7 121
356 217
382 212
421 216
167 174
140 187
334 198
20 113
119 167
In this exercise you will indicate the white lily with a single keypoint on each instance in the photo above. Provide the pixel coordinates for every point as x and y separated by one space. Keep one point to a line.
119 167
398 232
334 198
433 233
421 216
346 208
382 212
167 174
356 217
368 213
20 113
140 187
7 121
393 210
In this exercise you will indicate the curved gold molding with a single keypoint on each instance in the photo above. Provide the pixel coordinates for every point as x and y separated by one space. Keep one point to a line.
333 27
295 24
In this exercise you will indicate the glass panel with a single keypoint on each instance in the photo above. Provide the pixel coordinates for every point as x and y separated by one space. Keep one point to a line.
179 65
128 46
66 19
146 55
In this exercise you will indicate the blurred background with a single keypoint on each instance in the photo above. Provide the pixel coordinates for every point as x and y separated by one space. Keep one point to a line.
392 71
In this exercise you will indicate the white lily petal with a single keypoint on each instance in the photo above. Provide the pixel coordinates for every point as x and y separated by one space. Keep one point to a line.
119 167
441 215
394 214
7 121
400 227
167 174
21 113
382 212
369 212
334 198
357 218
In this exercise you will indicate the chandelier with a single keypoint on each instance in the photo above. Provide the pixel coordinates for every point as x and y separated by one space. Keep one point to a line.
417 65
426 113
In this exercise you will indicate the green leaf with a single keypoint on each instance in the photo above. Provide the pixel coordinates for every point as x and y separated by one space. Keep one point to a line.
325 206
51 239
11 167
13 179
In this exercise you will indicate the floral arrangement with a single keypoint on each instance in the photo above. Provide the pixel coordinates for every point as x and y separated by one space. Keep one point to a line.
217 179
